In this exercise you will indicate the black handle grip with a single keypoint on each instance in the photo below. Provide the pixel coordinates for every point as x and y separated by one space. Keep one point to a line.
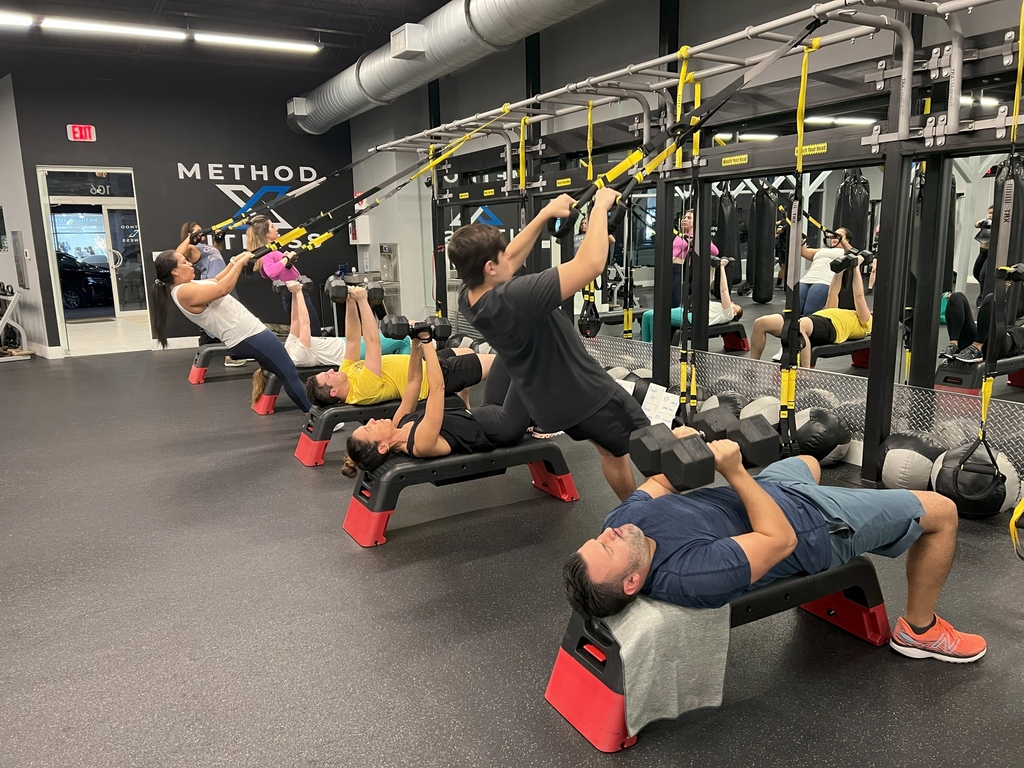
563 228
616 217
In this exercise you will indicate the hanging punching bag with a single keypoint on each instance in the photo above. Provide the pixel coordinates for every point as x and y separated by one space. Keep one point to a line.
728 239
947 261
761 248
1011 168
852 211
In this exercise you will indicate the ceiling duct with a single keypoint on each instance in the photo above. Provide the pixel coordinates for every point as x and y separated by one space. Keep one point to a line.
454 36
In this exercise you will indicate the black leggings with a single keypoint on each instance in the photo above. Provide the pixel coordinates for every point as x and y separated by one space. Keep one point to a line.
962 328
503 424
979 268
266 349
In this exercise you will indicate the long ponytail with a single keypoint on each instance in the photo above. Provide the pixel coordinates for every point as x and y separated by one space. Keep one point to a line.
256 237
165 264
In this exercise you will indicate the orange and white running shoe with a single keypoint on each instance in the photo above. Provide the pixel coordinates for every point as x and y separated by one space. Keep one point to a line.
941 642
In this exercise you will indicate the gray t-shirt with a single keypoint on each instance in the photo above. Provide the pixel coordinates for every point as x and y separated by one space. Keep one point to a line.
522 320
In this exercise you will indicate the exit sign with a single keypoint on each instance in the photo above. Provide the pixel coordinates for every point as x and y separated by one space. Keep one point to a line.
81 133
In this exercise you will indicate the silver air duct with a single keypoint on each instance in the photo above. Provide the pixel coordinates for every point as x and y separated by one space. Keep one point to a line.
456 35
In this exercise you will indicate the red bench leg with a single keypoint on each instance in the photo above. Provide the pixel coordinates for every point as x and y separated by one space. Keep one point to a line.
871 624
264 406
309 451
1016 378
735 342
591 707
197 375
560 486
861 358
366 527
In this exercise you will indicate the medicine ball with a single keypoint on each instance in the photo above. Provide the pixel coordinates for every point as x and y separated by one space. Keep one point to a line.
823 434
906 460
767 406
640 385
817 398
617 372
1003 496
457 340
734 401
481 347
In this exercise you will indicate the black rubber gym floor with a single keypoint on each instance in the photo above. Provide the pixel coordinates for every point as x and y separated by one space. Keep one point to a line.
176 590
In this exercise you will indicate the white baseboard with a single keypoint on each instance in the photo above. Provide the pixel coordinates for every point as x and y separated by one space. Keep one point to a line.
50 353
179 342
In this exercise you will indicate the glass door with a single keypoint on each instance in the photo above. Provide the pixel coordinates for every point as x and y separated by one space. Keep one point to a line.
125 259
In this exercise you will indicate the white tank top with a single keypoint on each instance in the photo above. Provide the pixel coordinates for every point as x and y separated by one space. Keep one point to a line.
224 318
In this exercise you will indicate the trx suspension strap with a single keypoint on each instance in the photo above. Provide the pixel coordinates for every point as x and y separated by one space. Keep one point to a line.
791 336
675 135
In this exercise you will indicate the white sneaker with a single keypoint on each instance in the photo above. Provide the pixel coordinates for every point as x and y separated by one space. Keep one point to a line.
340 426
777 356
236 362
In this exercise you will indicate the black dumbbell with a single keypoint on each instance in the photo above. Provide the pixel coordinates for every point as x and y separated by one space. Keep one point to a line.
398 327
759 442
280 286
687 462
849 261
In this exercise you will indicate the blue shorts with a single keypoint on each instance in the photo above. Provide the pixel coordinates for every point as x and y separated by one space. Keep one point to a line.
860 519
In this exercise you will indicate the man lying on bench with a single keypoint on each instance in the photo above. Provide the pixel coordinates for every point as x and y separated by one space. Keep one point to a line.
830 325
719 312
308 351
705 548
433 431
381 377
967 340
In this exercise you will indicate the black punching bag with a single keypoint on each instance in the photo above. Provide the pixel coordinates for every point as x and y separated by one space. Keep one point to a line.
728 239
1011 168
761 248
947 262
852 212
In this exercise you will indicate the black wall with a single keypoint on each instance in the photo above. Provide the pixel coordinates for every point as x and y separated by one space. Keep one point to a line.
151 116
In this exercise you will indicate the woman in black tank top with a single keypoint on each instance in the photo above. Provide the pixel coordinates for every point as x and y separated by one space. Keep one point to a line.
499 422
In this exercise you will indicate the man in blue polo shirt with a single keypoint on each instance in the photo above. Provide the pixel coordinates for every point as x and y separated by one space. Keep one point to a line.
707 547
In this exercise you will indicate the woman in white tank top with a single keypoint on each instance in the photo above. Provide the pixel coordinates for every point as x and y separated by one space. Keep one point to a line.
208 304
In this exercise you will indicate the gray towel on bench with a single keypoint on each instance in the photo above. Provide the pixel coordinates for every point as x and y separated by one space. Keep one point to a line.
673 658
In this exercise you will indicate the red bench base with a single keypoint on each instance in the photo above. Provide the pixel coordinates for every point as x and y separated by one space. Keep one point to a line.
197 375
591 707
309 451
264 406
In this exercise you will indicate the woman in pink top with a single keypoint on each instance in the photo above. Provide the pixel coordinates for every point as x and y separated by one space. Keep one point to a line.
680 250
277 266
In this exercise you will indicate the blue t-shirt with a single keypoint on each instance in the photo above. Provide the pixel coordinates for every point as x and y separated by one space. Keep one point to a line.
696 562
210 263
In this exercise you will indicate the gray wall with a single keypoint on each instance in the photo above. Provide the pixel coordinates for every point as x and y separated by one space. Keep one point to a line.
14 201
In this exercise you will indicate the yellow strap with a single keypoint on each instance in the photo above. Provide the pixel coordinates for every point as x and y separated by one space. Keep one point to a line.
1014 533
590 140
801 106
1020 75
433 173
634 157
627 323
455 145
522 151
658 159
684 54
696 104
986 400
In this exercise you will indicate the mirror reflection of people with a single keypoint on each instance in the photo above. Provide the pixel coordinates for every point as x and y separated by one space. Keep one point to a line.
724 311
814 285
983 236
680 252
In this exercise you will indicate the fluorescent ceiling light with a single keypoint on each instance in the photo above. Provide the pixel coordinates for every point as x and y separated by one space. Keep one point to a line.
819 120
757 137
723 136
15 20
257 42
966 101
73 25
855 121
988 101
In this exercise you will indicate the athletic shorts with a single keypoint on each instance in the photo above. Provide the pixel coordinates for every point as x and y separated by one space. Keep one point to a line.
612 424
459 371
1016 334
822 331
860 519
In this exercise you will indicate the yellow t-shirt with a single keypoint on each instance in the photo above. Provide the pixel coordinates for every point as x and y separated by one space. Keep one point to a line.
367 388
848 326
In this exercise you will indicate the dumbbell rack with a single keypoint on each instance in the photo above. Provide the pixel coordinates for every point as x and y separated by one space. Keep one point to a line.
7 319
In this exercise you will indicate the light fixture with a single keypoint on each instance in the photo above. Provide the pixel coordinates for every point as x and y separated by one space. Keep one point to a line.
988 101
855 121
15 19
272 44
819 120
966 101
102 28
757 137
723 136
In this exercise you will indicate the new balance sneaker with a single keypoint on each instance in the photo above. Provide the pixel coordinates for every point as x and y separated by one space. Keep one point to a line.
950 351
941 642
971 355
236 362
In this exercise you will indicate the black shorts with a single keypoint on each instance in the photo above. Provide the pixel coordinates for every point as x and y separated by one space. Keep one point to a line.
612 424
1016 334
822 331
459 371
